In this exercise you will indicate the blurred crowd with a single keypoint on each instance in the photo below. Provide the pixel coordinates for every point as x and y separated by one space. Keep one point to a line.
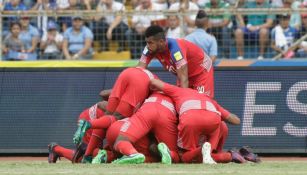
73 37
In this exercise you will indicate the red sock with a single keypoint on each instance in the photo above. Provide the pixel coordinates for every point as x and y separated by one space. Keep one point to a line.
125 147
95 152
64 152
222 157
103 122
110 156
95 141
175 157
189 156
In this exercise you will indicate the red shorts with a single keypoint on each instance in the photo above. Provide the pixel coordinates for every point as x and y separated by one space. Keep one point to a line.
195 123
158 119
131 86
203 83
113 131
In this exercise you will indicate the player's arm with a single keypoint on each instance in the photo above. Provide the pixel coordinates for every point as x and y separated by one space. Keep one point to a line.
105 94
145 58
168 89
233 119
142 64
182 75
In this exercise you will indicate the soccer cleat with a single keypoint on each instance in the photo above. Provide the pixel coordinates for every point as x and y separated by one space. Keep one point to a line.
101 157
83 126
52 157
79 152
87 159
249 155
206 152
165 153
132 159
236 157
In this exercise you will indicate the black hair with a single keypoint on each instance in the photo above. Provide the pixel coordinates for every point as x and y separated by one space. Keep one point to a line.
13 24
156 31
201 19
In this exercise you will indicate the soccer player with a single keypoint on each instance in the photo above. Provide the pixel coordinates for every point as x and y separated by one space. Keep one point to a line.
189 62
198 115
56 151
157 116
129 91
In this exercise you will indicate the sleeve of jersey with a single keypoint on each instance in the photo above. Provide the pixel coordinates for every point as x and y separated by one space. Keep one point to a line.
170 90
224 113
178 54
145 58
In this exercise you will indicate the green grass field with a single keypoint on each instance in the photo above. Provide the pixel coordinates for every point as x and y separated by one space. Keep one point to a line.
65 167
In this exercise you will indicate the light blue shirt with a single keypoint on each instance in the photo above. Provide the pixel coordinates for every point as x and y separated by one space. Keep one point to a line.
27 36
76 41
203 40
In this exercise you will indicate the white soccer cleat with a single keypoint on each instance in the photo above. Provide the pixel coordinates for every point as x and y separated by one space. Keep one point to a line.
206 152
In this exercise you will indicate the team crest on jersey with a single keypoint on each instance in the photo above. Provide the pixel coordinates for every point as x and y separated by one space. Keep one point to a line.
178 56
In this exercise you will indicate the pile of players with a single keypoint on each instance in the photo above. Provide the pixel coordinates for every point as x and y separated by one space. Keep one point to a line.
147 120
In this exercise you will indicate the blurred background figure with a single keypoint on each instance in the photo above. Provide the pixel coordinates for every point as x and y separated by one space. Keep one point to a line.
110 27
220 26
77 43
174 29
256 27
189 20
12 45
283 36
51 43
139 23
29 36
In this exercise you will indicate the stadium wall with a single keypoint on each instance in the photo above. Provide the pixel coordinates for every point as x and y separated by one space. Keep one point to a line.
41 105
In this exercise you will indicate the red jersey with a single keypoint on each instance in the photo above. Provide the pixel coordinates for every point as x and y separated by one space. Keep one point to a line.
188 99
132 86
91 113
180 52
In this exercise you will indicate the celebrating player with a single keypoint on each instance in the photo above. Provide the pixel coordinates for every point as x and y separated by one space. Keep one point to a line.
192 66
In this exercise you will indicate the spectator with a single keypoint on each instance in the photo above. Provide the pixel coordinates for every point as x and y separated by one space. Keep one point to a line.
219 25
73 5
201 3
111 26
258 26
186 5
174 29
135 35
62 4
12 45
302 51
283 36
295 20
12 5
51 43
43 5
201 38
29 36
77 40
276 3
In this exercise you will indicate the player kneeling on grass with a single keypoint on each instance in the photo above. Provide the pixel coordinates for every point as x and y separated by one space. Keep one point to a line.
198 115
157 115
56 151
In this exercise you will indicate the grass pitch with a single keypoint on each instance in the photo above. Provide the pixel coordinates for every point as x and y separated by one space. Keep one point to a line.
65 167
